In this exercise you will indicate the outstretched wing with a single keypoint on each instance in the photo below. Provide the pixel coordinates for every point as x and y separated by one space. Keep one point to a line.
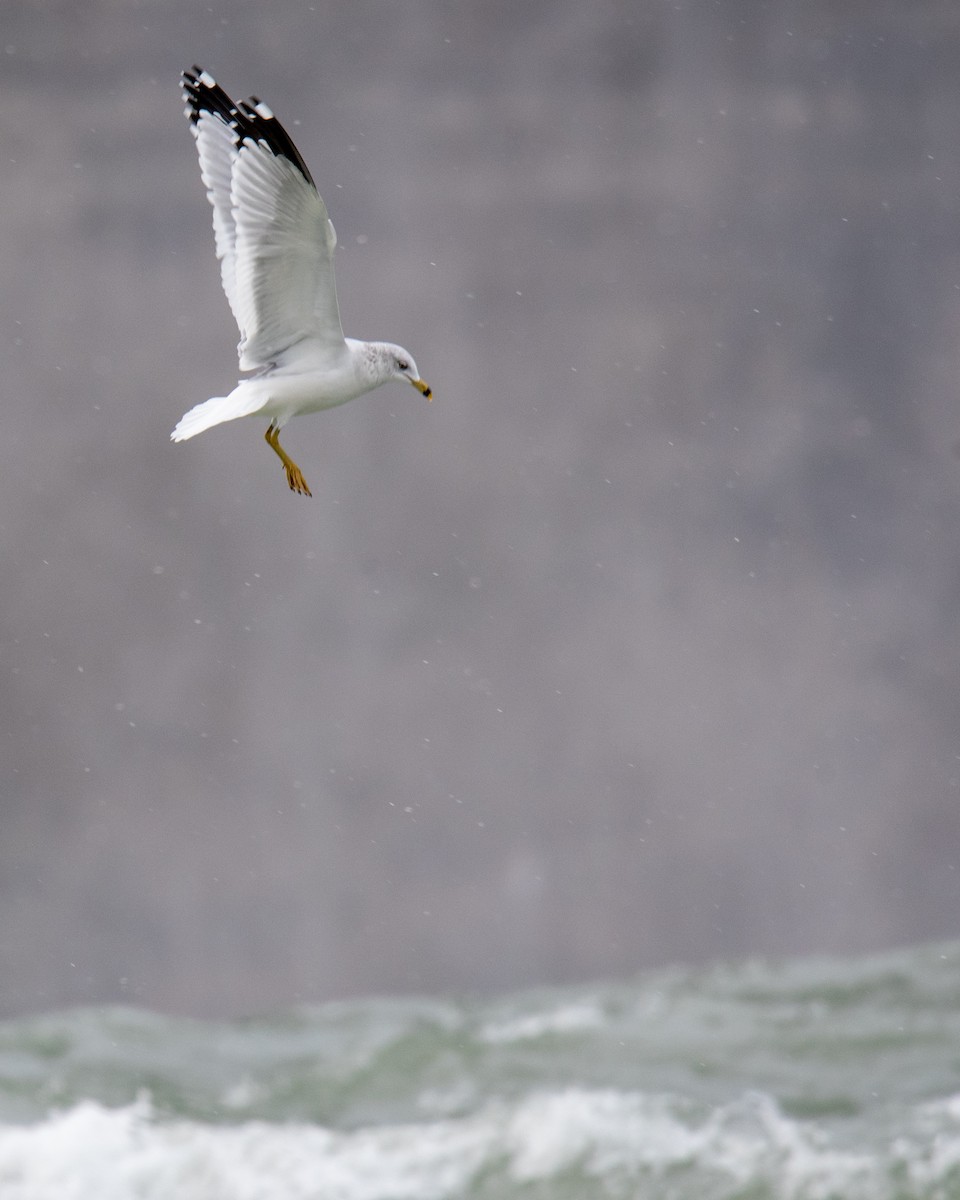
274 239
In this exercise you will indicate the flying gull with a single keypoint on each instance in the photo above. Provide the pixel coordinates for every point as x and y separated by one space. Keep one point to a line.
275 244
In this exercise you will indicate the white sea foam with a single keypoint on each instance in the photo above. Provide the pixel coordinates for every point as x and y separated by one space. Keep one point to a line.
121 1154
934 1155
611 1134
631 1143
567 1018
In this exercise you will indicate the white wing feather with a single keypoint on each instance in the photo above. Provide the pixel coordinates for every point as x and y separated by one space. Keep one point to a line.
283 281
274 239
217 151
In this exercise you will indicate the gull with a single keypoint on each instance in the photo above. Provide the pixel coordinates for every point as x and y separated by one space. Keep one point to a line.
275 244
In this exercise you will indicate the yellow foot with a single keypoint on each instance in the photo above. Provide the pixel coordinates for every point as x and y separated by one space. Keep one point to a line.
296 480
294 475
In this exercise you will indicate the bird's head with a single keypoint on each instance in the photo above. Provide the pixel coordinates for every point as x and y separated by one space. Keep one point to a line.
400 365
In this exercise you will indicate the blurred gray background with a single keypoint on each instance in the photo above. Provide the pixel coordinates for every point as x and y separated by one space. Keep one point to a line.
640 644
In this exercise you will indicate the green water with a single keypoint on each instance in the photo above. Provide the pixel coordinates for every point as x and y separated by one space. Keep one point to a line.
806 1079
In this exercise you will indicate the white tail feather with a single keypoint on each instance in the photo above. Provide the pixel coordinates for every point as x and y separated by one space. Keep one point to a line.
214 412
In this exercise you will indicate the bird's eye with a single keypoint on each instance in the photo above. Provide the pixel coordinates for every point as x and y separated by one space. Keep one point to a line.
402 364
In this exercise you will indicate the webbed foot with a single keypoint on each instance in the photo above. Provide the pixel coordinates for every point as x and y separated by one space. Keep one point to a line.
294 475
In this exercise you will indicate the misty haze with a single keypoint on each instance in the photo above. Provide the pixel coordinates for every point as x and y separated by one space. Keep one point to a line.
638 645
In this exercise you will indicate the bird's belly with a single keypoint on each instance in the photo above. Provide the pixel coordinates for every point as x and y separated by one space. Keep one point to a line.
287 394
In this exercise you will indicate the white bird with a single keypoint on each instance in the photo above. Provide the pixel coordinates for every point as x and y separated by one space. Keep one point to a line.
275 244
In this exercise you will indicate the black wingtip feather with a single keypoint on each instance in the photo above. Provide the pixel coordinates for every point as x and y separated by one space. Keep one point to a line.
264 127
250 120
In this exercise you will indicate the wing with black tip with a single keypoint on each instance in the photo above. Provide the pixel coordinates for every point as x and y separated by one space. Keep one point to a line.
274 239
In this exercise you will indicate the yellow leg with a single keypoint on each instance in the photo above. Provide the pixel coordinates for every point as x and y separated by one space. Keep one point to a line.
294 474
